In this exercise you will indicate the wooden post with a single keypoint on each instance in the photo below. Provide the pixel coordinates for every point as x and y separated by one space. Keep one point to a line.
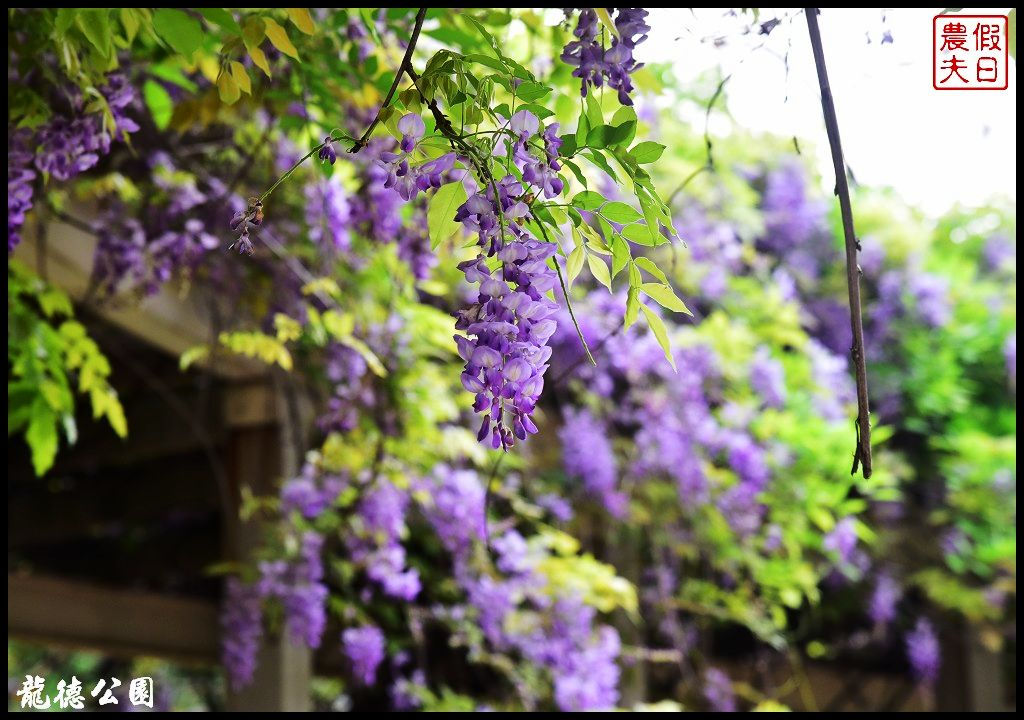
258 457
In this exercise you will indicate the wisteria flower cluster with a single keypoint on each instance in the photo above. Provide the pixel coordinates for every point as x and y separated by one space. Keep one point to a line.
508 327
408 179
20 188
66 145
599 59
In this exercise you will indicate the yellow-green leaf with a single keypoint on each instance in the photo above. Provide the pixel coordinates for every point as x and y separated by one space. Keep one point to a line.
241 77
660 333
575 262
228 89
599 270
194 354
279 37
665 296
648 265
441 209
130 22
253 33
259 60
632 307
301 19
606 19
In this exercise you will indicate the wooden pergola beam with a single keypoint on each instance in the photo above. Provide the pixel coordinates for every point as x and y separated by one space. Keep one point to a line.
167 320
120 623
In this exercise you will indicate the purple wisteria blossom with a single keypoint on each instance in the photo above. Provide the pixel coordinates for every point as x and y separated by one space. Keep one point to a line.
599 59
71 144
508 327
456 511
767 378
20 177
297 583
792 216
377 546
311 492
931 298
843 539
923 652
884 598
1010 355
327 153
408 179
588 457
365 649
328 214
241 621
718 691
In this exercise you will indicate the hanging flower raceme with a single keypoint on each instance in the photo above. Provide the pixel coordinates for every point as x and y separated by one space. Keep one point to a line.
327 152
409 180
69 145
19 185
542 174
506 352
599 60
242 220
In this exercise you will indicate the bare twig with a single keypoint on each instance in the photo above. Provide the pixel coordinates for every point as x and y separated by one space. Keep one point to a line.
862 453
402 69
709 163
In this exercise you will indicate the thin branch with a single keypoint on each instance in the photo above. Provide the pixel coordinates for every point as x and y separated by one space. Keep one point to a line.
862 453
488 493
402 69
709 163
565 293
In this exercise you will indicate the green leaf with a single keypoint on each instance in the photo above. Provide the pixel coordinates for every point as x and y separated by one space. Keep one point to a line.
159 102
599 270
41 436
183 33
822 518
441 209
641 234
222 18
660 333
598 158
604 136
575 262
606 19
647 151
620 254
619 212
664 296
95 25
530 91
632 307
130 22
623 116
488 61
648 265
568 147
588 200
593 111
65 19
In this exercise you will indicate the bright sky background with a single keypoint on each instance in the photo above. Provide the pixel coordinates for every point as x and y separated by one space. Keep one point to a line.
936 148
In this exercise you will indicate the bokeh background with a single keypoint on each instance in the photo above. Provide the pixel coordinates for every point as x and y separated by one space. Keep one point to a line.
283 526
